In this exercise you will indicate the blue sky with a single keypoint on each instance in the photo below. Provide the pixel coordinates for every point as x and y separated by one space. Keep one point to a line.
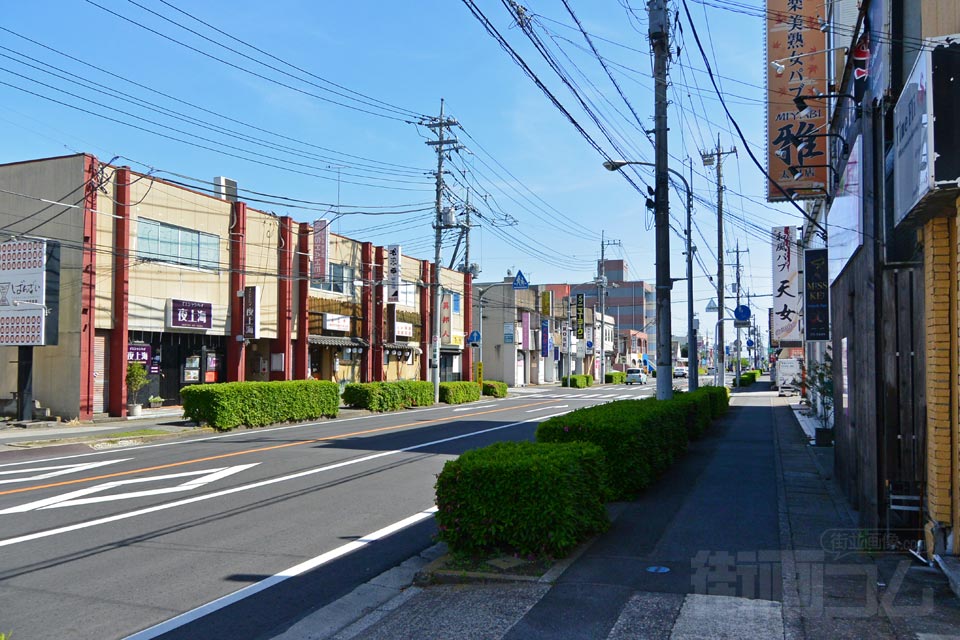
543 197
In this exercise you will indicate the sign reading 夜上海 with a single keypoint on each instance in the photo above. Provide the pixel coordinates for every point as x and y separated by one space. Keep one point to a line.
796 68
251 312
189 314
787 302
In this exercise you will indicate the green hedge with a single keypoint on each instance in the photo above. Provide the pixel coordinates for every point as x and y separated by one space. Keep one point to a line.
615 377
388 396
639 438
459 392
522 497
577 381
255 404
719 399
747 378
495 388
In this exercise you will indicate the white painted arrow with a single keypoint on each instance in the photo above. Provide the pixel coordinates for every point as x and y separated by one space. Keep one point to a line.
42 473
74 498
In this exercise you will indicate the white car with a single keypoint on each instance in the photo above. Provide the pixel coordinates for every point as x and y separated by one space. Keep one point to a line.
636 375
680 372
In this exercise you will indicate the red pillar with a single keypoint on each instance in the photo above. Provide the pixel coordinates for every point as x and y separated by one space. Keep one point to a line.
301 346
366 310
236 353
426 318
379 333
121 295
467 309
282 345
88 285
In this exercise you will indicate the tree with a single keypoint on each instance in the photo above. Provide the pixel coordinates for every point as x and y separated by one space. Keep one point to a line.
136 379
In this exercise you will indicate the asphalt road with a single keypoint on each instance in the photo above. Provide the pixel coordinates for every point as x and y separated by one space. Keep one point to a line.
237 534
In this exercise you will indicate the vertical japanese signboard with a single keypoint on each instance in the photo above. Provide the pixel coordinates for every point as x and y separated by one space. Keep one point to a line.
525 342
546 303
251 312
446 323
786 288
321 249
816 295
580 316
393 273
545 337
796 67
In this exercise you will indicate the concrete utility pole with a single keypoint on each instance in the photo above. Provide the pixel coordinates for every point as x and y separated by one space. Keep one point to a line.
602 283
659 39
736 379
715 158
441 125
693 361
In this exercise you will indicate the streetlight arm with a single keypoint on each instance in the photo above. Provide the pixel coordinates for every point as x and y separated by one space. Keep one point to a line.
615 165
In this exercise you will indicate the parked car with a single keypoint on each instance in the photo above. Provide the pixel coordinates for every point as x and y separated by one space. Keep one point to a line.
679 372
636 375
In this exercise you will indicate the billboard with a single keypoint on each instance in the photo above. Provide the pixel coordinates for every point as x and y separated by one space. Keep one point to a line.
393 273
321 249
796 66
816 295
787 302
29 292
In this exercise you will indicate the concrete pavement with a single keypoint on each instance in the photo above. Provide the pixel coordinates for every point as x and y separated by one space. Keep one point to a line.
739 539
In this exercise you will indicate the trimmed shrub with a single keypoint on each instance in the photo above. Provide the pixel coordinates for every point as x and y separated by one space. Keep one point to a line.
495 388
719 399
639 438
590 380
522 497
459 392
227 405
388 396
699 413
615 377
576 381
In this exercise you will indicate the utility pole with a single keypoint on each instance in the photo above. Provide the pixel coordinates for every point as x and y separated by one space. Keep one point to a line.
659 39
693 363
441 125
736 379
602 284
715 158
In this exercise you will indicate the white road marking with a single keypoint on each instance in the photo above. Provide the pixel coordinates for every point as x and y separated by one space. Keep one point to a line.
556 406
51 472
476 406
286 574
74 498
253 485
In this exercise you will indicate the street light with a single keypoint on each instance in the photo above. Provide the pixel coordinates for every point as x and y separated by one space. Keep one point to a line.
779 67
664 355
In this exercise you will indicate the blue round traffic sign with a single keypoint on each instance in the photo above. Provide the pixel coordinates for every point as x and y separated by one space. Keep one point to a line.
749 343
742 312
589 344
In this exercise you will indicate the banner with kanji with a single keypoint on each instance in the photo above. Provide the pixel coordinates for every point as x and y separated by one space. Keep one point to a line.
787 299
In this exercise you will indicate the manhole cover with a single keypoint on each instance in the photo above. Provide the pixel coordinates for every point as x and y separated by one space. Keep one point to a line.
656 569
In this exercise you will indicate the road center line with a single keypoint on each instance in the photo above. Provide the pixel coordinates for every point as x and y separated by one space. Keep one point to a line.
254 485
286 574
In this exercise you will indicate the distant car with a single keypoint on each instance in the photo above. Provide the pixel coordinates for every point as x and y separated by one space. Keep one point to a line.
679 372
636 375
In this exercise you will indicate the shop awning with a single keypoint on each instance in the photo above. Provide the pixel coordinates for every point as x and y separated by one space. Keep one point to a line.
408 346
337 341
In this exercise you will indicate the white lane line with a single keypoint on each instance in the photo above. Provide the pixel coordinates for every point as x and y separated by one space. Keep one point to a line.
254 485
286 574
556 406
58 470
476 406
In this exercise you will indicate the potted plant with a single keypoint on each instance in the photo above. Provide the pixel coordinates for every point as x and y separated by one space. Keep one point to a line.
155 402
821 383
136 379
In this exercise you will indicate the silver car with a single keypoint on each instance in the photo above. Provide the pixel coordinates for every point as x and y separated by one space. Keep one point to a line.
636 375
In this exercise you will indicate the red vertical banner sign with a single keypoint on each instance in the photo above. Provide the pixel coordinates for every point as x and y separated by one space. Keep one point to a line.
796 66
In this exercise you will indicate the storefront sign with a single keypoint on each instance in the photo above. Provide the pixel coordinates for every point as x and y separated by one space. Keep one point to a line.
251 312
507 333
913 139
189 314
545 338
794 70
845 216
816 294
142 353
580 316
393 273
546 303
321 248
786 288
403 329
446 322
336 322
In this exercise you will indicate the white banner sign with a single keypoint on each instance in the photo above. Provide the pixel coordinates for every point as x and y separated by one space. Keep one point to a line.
787 301
393 273
335 322
403 330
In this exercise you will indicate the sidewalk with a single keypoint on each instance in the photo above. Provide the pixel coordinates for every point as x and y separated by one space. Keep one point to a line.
742 538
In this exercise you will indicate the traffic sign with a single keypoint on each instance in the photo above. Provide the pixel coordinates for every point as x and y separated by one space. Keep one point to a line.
589 344
749 343
742 312
520 282
474 338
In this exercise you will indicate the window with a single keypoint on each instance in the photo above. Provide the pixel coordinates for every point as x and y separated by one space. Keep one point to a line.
160 242
408 294
456 303
340 279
